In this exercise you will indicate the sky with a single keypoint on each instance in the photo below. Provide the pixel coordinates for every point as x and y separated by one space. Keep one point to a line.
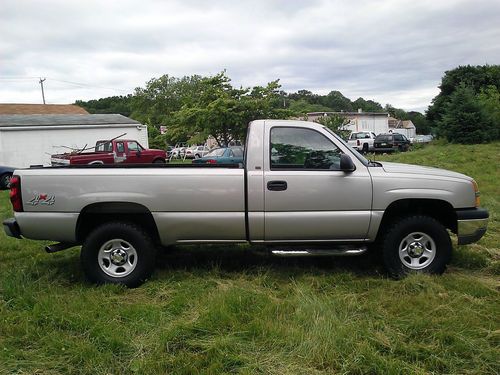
391 51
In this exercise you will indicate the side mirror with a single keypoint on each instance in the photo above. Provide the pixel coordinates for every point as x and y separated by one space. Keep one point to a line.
346 163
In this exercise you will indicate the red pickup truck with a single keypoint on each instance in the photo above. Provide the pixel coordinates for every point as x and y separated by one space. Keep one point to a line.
112 152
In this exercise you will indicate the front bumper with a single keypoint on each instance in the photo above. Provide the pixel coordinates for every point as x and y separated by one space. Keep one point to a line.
471 225
11 228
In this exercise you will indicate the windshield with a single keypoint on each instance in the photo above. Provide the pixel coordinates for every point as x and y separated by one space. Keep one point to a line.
360 157
360 135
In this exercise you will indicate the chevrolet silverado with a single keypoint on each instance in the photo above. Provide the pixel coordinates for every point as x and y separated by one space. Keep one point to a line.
301 191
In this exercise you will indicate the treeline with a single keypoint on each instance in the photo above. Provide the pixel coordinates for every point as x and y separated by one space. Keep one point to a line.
467 109
193 107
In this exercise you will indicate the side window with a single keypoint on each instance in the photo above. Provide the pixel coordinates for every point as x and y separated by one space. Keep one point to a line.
120 147
398 137
300 148
132 146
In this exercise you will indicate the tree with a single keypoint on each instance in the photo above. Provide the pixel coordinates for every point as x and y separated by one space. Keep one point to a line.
367 105
224 112
336 123
464 119
337 102
112 104
476 78
155 103
489 100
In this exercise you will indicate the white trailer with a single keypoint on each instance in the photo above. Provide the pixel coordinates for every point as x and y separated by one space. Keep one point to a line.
27 140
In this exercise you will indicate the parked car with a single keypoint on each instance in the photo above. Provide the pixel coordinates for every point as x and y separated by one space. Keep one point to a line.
5 175
362 141
178 152
196 152
391 142
302 191
126 151
422 138
225 155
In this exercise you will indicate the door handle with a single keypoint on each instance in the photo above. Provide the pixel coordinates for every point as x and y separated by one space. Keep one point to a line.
277 185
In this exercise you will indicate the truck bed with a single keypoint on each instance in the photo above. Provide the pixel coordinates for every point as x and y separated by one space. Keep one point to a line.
200 203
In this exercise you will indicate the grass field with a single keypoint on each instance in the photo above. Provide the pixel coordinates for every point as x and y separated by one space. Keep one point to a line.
217 310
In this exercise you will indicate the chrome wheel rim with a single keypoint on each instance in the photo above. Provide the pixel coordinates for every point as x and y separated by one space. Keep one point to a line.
417 250
117 258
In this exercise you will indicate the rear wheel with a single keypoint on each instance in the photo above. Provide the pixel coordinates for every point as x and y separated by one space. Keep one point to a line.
5 181
118 253
365 148
416 244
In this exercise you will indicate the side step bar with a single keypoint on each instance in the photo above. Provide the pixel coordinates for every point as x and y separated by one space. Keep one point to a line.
340 251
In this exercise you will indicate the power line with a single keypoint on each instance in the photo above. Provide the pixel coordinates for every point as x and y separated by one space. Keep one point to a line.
88 85
79 84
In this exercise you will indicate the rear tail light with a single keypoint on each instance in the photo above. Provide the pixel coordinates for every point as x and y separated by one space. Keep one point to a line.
15 194
211 161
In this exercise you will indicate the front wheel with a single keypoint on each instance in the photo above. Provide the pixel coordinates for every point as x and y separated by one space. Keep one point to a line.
416 244
159 161
118 253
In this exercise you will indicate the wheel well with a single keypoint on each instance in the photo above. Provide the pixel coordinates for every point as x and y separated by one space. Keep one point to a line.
438 209
97 214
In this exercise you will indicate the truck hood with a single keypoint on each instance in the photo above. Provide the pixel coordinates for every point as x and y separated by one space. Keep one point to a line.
417 169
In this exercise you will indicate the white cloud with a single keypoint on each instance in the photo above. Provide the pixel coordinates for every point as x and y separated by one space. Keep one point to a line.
392 51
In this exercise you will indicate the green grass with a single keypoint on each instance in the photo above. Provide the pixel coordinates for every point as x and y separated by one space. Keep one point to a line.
221 310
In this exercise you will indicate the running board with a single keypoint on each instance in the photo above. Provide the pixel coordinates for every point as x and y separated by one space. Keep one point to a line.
340 251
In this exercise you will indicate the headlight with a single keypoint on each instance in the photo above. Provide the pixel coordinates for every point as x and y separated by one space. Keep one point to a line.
476 193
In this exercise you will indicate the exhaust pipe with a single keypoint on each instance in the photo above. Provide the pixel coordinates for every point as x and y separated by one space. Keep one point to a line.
58 247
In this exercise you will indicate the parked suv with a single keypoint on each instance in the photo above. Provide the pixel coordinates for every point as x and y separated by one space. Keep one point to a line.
362 141
391 142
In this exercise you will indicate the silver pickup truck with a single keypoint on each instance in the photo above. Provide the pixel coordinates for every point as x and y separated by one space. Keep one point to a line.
301 191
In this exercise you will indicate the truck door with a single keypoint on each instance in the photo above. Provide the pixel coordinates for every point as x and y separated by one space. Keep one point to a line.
134 153
307 197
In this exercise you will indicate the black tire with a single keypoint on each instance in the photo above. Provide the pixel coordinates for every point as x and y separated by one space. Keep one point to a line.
399 266
365 148
159 161
130 234
5 181
196 156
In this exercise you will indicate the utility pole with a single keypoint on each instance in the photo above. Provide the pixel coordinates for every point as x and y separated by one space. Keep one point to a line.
41 84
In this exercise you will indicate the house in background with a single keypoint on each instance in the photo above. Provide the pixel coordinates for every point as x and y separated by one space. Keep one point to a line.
376 122
27 140
41 109
405 127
